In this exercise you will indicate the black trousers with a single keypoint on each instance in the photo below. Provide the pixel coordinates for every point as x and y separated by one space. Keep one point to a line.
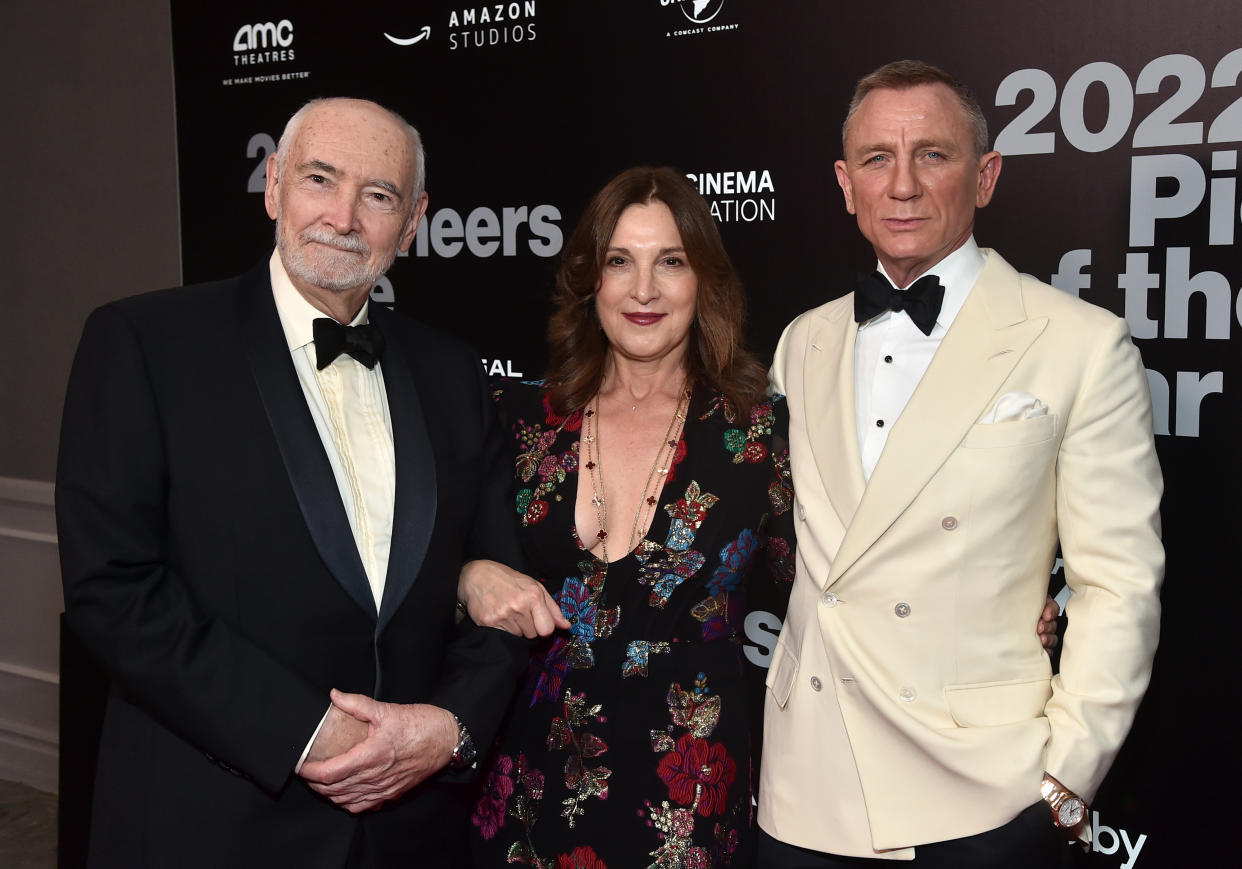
386 841
1029 841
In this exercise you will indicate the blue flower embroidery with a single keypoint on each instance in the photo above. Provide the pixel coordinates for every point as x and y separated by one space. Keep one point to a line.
734 559
587 621
667 570
638 656
575 600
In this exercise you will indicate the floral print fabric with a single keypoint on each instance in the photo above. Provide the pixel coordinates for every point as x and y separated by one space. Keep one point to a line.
629 745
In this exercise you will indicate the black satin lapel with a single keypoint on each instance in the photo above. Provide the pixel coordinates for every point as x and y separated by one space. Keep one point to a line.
298 439
414 512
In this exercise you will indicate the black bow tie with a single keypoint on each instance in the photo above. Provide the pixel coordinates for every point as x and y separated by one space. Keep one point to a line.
364 343
875 295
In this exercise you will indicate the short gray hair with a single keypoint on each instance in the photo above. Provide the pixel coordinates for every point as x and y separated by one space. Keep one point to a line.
294 124
903 74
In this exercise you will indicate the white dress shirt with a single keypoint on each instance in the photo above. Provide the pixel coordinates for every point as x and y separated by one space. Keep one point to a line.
891 355
350 408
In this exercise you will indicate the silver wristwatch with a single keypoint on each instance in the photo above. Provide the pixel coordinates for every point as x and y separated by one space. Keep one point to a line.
464 752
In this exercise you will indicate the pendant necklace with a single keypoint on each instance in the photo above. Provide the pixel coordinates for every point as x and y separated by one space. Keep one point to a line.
659 470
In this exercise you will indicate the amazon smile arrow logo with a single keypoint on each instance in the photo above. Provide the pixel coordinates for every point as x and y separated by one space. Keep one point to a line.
397 40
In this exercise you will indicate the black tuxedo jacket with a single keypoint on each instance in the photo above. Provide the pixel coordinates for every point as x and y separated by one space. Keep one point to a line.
208 562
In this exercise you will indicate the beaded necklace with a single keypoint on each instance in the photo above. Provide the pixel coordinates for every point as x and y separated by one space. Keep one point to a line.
659 469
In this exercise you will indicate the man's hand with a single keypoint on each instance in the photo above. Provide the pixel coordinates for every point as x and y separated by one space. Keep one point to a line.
340 732
497 596
405 744
1047 627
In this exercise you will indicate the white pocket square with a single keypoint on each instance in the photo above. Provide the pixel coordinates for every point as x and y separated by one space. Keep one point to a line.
1015 405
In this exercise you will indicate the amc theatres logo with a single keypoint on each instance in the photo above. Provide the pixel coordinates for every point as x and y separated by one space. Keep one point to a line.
264 42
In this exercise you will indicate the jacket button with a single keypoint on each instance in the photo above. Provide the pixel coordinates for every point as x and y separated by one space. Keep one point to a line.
948 523
902 610
906 694
816 684
801 512
829 599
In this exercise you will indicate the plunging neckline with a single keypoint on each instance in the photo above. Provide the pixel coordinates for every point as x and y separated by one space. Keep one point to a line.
573 526
659 510
658 494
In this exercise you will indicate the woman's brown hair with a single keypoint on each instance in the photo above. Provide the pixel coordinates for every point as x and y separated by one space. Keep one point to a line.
577 346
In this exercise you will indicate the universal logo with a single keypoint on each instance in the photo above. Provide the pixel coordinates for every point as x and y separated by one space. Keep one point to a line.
491 25
700 17
266 42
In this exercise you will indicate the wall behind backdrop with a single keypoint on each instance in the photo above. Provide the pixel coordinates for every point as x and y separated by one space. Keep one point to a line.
1120 123
90 214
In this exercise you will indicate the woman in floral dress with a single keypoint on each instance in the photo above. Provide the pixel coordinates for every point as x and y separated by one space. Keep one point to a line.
651 483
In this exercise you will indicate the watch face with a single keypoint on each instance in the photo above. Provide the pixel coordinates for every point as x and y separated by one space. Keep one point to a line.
1070 812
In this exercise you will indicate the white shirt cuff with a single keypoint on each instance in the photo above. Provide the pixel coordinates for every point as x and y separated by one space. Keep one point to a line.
297 770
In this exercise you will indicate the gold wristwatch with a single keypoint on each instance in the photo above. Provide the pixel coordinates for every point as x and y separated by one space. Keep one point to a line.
1068 809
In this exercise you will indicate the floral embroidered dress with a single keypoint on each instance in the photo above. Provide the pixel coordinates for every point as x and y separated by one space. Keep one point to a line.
629 744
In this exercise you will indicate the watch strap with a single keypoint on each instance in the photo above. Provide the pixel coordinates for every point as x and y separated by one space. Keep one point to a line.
464 751
1068 809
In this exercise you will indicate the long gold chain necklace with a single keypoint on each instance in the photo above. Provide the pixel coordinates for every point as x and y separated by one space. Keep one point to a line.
659 470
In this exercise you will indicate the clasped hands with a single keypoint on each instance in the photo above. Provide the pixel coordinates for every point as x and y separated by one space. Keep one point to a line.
368 752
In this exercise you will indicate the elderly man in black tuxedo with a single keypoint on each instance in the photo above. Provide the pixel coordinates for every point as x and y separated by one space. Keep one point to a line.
265 491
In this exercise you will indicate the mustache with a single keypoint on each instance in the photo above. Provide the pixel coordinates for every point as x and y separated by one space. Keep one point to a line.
322 235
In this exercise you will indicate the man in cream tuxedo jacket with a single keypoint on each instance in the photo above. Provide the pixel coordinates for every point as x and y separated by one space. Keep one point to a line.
943 441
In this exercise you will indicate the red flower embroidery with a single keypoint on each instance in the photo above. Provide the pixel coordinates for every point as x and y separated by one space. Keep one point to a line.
582 857
549 466
536 510
683 824
698 762
690 512
678 455
754 452
572 422
698 858
489 811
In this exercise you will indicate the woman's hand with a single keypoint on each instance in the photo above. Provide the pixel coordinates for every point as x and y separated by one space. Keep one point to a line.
497 596
1047 627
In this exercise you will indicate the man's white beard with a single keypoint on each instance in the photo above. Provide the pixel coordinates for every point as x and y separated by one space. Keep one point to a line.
341 262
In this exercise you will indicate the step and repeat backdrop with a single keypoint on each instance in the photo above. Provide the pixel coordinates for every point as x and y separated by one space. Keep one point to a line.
1120 123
